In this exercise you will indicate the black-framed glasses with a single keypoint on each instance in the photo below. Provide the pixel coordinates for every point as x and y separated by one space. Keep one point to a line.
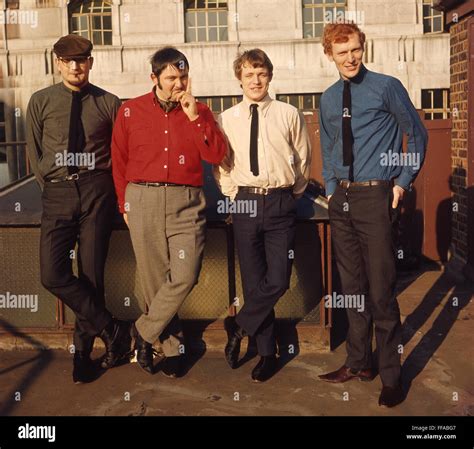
69 61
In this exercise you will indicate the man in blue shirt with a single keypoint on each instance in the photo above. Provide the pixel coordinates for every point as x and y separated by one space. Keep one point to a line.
363 117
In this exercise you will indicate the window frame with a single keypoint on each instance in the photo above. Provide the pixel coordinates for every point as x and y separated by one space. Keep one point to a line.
316 98
90 16
333 5
433 14
194 29
207 100
430 111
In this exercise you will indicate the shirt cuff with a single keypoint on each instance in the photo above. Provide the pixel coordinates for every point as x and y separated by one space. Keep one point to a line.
404 180
230 191
121 206
199 124
331 187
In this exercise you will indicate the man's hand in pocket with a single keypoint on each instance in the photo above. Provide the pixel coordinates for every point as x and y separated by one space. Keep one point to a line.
398 193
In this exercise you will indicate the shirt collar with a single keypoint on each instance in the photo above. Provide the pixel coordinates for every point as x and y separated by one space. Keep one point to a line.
156 100
84 91
358 78
263 105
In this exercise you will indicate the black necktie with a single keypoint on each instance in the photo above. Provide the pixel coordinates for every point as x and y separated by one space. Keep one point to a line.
77 139
347 137
254 140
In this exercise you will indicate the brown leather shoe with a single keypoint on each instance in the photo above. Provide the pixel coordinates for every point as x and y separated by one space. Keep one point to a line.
391 396
344 373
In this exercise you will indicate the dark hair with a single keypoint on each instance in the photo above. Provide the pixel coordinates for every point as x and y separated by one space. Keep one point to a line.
168 56
256 58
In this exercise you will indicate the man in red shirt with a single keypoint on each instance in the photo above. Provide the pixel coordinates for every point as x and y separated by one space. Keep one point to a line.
158 143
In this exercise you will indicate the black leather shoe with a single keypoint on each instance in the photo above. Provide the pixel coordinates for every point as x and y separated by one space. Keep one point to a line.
83 369
234 338
117 340
265 368
172 366
391 396
144 351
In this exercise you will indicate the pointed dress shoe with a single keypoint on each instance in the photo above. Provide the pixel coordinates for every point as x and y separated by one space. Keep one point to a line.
117 340
144 351
83 369
265 368
234 338
344 373
172 366
391 396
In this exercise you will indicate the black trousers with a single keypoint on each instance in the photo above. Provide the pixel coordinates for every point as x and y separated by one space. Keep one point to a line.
79 212
264 243
361 227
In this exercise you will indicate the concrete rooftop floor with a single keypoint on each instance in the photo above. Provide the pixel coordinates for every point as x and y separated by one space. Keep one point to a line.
438 371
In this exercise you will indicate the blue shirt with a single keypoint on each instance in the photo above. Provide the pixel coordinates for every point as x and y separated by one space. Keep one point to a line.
381 113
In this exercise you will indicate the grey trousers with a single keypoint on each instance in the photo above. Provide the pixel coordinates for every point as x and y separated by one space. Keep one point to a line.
167 228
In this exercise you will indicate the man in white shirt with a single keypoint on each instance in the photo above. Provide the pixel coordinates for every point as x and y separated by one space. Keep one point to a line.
268 165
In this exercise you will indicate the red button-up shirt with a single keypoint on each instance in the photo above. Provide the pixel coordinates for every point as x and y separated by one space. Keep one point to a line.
151 145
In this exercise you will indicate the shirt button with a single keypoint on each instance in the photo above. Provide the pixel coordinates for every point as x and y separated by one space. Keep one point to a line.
165 166
166 115
166 149
199 124
166 131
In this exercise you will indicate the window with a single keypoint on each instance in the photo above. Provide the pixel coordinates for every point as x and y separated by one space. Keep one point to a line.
316 13
301 101
13 4
205 20
435 103
433 21
220 104
46 3
92 19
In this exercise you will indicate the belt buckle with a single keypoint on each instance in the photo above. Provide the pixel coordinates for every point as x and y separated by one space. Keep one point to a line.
73 177
346 183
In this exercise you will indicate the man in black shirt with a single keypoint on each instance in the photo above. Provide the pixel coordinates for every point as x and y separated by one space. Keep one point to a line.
69 128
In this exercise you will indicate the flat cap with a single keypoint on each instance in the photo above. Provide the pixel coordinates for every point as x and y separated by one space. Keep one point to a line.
73 46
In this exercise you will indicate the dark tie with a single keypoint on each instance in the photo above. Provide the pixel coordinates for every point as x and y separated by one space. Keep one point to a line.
167 106
347 137
77 139
254 140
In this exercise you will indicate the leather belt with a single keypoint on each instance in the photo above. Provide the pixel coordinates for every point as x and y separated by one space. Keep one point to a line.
76 176
264 191
162 184
345 183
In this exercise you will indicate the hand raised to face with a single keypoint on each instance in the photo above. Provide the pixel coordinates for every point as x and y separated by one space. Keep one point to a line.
188 102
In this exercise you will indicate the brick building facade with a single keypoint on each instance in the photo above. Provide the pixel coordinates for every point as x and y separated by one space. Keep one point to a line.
460 19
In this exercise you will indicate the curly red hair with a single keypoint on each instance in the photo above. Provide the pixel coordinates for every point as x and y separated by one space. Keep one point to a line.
339 33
